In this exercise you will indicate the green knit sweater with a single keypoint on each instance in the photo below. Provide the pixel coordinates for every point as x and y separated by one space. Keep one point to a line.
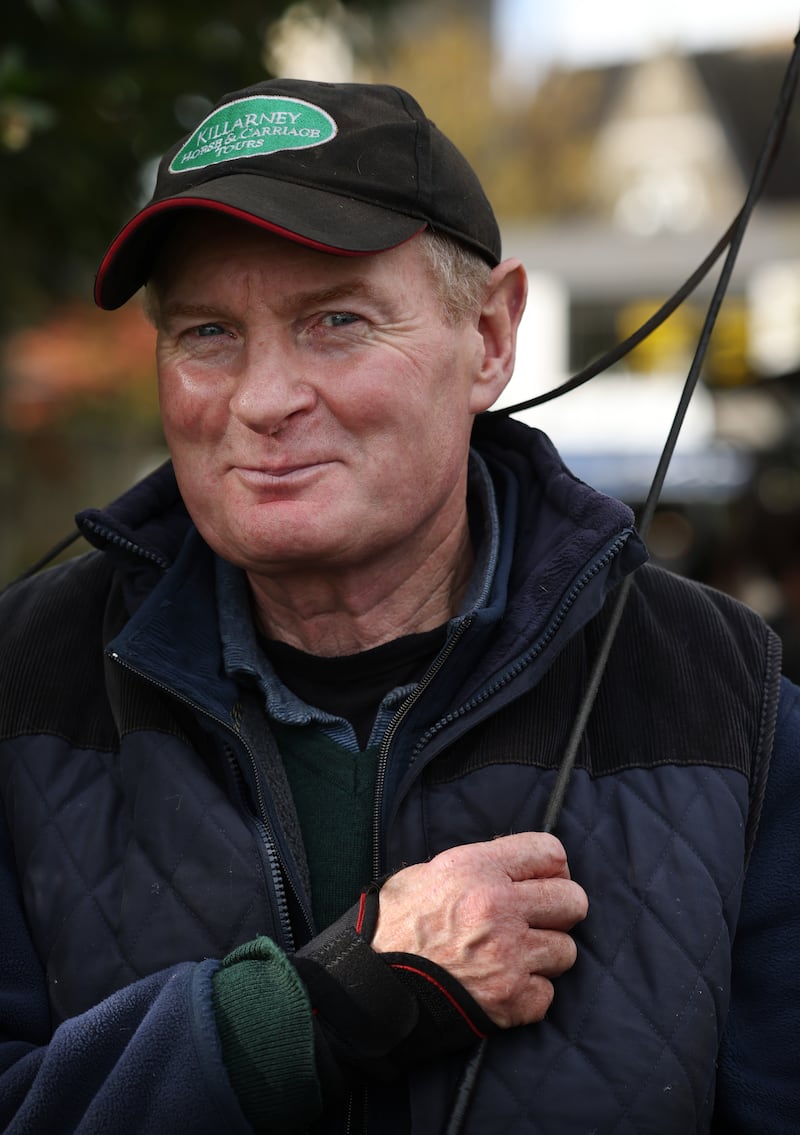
262 1009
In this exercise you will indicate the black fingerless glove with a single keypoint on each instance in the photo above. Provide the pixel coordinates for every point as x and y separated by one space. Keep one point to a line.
375 1014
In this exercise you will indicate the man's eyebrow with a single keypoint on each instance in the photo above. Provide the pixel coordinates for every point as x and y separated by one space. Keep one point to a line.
333 293
176 308
311 297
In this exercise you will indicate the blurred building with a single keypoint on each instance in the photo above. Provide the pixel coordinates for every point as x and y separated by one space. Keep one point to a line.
675 143
676 139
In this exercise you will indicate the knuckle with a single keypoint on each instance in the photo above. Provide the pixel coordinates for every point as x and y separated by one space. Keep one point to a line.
554 952
540 996
556 849
562 901
569 952
545 993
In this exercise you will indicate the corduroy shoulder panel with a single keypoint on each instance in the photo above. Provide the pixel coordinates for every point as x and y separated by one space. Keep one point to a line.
54 677
51 667
691 679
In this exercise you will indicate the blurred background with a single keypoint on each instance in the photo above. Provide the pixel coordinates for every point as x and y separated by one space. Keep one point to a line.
616 141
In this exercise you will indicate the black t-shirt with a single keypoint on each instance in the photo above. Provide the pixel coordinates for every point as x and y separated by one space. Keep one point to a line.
352 686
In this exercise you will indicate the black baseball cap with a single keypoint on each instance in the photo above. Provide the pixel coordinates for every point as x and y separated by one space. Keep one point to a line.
347 168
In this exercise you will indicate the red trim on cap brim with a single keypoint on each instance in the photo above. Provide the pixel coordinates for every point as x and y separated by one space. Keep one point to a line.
205 203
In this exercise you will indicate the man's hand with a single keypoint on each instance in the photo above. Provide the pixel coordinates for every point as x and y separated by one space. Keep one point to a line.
496 915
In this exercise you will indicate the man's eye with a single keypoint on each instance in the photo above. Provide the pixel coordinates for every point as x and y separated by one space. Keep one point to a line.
207 330
340 318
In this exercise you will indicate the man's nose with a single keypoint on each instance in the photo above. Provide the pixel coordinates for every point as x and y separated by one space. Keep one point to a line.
272 386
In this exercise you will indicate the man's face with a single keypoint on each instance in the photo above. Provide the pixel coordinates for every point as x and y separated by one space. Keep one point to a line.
317 408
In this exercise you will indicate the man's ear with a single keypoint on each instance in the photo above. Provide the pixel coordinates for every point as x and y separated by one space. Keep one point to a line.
498 324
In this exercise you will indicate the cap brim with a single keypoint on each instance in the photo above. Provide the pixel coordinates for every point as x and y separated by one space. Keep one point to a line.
331 223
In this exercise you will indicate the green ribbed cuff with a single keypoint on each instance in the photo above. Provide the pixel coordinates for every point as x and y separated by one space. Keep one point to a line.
267 1035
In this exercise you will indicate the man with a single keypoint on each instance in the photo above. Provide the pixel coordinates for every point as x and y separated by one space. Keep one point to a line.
275 756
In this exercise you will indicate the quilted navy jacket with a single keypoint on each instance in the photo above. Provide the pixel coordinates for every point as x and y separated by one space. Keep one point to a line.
131 861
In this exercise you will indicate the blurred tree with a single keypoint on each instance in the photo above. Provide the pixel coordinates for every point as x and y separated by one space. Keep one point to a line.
83 365
91 93
443 56
530 145
547 143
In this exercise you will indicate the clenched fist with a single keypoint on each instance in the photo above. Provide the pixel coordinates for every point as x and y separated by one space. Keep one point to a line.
496 915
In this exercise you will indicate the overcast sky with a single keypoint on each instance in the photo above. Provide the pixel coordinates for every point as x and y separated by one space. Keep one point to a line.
591 31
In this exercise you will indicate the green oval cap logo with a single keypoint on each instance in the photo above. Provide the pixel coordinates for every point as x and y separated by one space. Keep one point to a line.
252 126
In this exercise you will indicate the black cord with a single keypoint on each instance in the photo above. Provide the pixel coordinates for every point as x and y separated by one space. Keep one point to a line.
763 166
733 239
464 1090
620 350
56 550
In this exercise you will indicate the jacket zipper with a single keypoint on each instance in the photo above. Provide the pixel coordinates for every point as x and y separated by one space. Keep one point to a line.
380 780
118 541
391 731
277 869
516 669
279 872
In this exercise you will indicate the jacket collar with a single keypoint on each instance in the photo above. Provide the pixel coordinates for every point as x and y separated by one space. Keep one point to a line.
554 530
148 522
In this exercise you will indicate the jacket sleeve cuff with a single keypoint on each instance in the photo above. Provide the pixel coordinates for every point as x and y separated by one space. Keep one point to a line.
266 1032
